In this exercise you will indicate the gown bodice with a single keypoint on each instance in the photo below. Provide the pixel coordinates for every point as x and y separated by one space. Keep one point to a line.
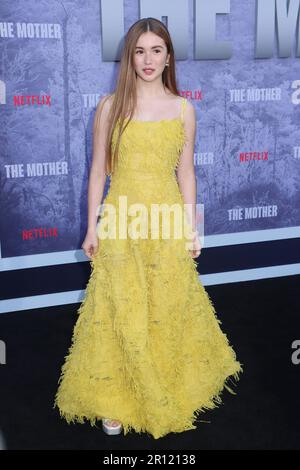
151 147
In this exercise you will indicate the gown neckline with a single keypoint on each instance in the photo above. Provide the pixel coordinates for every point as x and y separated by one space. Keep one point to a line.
157 121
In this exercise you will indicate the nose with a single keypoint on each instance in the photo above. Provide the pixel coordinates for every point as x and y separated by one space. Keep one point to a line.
147 59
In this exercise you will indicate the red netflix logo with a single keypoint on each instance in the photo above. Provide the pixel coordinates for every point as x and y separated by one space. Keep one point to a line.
22 100
254 156
35 233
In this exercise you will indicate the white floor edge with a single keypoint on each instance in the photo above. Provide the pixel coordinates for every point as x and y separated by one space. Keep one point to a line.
70 297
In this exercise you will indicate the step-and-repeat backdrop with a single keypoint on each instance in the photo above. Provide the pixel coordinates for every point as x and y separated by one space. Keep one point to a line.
238 62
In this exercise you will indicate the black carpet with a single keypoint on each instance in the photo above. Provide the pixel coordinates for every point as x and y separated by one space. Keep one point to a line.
261 320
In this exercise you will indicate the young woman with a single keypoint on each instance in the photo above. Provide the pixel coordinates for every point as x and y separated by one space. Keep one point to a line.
147 351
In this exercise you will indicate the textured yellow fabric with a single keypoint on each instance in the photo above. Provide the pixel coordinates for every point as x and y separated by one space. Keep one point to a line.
147 348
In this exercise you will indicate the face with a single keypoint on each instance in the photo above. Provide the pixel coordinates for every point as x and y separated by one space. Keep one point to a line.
150 52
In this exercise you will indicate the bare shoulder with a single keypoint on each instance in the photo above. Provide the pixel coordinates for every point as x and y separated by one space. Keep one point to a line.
104 104
190 119
102 113
190 110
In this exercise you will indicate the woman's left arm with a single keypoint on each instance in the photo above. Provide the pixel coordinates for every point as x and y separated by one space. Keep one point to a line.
185 170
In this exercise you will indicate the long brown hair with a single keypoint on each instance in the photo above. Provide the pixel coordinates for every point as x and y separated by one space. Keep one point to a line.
124 98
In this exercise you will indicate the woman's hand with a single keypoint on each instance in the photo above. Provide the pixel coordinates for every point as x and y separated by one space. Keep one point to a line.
195 250
90 244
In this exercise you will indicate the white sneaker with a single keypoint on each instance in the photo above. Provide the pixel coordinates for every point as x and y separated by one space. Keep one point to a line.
111 426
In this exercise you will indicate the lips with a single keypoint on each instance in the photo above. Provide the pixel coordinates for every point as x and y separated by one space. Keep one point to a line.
148 71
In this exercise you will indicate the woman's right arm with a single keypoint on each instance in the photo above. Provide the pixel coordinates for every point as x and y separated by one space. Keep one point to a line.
97 175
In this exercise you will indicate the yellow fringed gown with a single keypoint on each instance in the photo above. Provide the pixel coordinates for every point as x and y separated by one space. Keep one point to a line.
147 348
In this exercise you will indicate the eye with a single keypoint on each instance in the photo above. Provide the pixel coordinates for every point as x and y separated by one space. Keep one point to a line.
156 50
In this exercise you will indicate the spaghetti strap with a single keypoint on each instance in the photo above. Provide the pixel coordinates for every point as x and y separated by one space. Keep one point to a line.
183 105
